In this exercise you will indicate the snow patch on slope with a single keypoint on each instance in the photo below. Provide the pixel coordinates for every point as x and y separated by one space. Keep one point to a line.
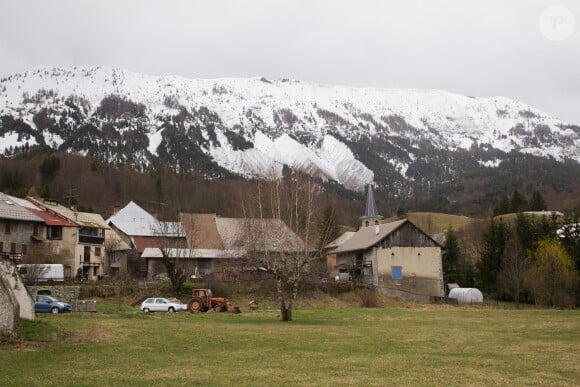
333 160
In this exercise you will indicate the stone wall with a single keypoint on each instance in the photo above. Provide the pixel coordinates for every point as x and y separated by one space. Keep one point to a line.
10 310
16 286
68 294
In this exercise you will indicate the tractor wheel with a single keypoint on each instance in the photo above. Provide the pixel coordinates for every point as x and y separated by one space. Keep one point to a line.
195 305
220 308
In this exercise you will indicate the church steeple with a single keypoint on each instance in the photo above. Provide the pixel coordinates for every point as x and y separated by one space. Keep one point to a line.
371 216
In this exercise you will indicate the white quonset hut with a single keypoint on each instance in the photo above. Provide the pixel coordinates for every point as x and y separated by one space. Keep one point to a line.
466 295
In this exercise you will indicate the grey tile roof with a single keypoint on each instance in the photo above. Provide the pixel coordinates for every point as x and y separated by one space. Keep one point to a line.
10 209
368 236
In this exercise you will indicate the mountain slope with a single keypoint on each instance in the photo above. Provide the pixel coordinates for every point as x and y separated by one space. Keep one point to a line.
403 140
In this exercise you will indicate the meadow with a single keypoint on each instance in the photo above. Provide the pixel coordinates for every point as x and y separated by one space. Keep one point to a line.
409 345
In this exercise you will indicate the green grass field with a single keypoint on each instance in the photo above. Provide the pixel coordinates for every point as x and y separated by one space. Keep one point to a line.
414 345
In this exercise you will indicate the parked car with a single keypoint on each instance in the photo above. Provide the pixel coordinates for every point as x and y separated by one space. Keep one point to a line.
162 305
48 304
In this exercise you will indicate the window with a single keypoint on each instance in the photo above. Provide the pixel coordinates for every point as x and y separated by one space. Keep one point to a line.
397 272
54 232
7 227
35 229
97 251
1 247
24 249
12 248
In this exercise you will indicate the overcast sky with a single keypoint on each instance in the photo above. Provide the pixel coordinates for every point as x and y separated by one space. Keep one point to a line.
472 47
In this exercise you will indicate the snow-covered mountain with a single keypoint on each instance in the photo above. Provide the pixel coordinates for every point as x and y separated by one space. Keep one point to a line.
257 127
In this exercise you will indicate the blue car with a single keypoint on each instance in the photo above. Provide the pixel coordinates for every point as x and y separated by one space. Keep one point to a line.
48 304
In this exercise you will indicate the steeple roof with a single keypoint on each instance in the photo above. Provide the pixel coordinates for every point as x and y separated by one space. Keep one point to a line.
371 207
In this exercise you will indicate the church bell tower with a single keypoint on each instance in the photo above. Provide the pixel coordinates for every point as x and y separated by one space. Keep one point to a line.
371 216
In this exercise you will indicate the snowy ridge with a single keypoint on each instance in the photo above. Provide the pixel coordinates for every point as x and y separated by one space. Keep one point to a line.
298 124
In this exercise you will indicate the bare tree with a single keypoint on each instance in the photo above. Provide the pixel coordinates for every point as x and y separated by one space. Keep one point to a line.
272 240
513 270
32 273
174 250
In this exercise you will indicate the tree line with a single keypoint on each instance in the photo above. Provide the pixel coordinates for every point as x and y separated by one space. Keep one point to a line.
531 259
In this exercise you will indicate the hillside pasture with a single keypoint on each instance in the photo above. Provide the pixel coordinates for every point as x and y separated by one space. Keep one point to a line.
435 223
412 345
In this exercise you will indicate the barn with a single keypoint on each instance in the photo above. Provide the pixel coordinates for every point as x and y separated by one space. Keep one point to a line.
397 258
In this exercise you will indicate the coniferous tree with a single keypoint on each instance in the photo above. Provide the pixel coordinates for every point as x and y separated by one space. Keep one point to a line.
451 257
494 241
503 206
525 231
537 203
518 202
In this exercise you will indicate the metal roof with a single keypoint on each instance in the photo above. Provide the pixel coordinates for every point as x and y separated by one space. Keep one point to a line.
133 220
84 219
49 218
192 253
371 206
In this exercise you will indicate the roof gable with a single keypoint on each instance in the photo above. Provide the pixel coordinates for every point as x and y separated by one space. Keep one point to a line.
201 231
368 237
132 220
208 231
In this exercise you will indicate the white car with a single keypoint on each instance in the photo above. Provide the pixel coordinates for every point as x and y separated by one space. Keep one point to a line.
161 305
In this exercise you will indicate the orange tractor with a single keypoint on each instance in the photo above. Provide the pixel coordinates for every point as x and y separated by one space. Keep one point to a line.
203 300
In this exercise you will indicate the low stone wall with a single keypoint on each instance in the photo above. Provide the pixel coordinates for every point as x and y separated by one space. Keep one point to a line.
66 293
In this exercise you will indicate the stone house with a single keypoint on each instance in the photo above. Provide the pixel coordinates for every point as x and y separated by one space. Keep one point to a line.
20 229
54 241
82 247
397 258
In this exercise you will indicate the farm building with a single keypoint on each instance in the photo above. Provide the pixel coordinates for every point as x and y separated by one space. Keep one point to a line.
397 258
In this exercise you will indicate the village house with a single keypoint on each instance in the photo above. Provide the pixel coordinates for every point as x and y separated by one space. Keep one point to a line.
74 238
133 230
20 229
396 258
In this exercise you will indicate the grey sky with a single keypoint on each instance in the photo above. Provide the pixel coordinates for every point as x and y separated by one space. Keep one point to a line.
472 47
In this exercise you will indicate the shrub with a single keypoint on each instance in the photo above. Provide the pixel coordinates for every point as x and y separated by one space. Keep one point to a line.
368 298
